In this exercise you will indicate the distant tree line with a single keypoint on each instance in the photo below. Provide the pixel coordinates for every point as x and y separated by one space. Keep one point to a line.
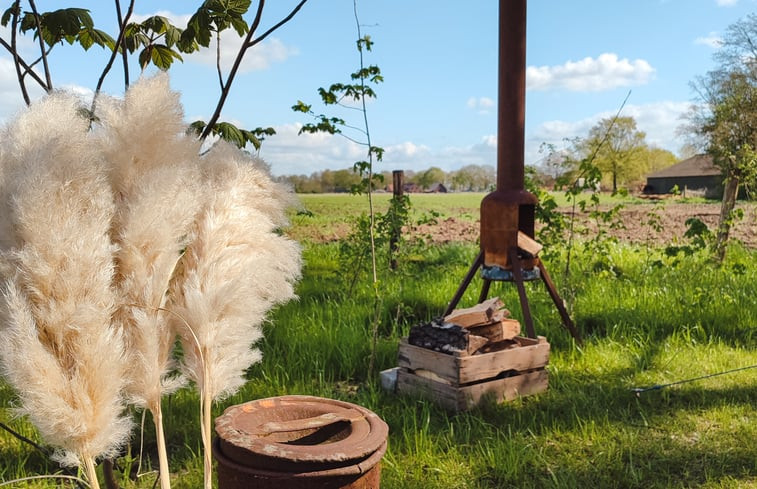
617 148
470 178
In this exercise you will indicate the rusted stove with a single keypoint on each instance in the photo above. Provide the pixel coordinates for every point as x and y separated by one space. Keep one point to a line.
508 213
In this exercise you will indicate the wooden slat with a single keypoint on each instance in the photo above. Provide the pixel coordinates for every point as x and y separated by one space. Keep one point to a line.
528 244
414 358
443 394
465 369
504 389
485 366
462 398
504 329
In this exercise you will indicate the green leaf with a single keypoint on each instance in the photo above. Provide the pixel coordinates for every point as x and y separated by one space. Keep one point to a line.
135 39
238 7
231 133
156 23
88 37
172 35
8 14
301 106
196 128
27 22
240 26
66 22
199 27
145 56
162 56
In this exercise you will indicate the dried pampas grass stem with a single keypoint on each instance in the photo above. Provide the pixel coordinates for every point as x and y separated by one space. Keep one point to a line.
235 268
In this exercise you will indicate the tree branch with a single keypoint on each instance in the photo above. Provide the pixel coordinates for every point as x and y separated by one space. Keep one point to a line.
282 22
218 59
24 439
16 57
26 67
42 49
122 23
248 42
119 41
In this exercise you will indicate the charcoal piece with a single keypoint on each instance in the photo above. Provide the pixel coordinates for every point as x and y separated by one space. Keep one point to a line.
439 336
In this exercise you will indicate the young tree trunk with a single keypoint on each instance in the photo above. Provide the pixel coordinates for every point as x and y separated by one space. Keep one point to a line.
730 192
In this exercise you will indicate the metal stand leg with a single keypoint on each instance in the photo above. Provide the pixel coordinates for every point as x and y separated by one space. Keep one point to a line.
567 322
484 290
465 283
518 276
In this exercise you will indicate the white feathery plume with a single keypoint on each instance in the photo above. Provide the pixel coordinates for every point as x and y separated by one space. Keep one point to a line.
233 271
154 176
59 350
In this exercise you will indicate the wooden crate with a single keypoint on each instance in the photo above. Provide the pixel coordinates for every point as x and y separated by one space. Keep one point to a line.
461 381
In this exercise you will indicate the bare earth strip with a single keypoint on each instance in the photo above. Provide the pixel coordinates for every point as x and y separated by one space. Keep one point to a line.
635 219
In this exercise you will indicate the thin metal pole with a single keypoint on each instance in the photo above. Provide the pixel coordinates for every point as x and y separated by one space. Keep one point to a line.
511 107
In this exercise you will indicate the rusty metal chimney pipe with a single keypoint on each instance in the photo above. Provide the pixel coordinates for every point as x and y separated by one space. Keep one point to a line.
511 94
510 208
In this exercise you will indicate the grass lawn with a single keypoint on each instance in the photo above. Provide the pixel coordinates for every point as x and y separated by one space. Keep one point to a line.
648 319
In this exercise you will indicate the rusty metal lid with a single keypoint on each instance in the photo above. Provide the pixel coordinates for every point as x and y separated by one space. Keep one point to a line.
299 433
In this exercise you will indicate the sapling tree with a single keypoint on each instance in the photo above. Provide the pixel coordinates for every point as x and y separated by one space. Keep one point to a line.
354 96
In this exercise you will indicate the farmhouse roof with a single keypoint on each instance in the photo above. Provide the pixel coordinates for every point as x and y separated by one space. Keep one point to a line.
696 166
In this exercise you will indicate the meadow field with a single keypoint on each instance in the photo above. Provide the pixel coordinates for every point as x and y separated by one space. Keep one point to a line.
662 393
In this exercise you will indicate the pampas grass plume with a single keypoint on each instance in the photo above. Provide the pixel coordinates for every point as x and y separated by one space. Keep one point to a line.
153 176
235 268
233 271
59 350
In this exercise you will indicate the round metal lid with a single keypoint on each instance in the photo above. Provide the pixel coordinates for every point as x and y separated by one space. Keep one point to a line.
299 433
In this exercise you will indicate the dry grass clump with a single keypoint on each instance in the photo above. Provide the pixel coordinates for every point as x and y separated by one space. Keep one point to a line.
115 241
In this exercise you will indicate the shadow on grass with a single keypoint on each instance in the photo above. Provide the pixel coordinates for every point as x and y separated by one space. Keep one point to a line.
593 431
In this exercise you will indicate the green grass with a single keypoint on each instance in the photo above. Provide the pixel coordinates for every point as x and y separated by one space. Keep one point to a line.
646 320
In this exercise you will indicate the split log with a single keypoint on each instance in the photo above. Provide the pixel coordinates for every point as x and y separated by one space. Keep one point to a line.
482 313
504 329
527 244
475 343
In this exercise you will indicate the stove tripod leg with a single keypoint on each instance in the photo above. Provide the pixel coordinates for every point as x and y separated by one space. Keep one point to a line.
465 283
567 322
518 276
484 290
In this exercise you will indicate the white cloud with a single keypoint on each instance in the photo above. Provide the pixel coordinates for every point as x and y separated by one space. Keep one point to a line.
291 154
482 105
712 40
590 75
288 153
659 120
257 58
11 99
179 20
726 3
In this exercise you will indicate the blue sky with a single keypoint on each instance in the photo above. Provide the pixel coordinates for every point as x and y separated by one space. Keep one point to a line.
437 105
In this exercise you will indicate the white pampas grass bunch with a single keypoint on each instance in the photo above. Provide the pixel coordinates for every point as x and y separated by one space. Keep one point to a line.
235 269
116 240
59 349
155 179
